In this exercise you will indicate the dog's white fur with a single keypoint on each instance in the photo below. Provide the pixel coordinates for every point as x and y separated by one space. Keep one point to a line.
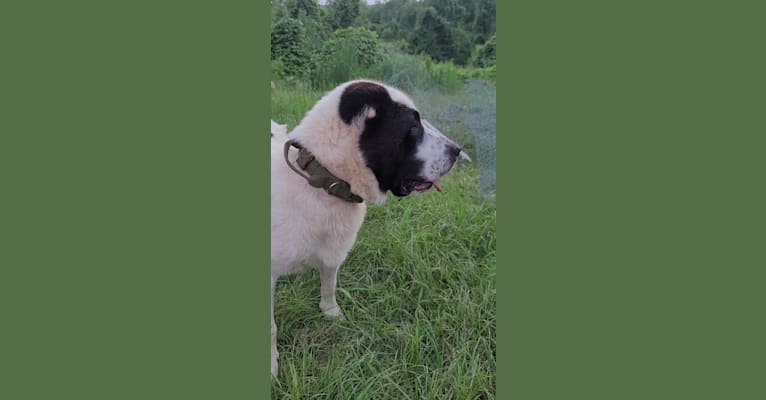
279 130
310 228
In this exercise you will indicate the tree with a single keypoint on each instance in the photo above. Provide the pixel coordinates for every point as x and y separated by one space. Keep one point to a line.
302 8
485 54
278 10
433 36
311 16
460 46
343 13
454 11
346 54
484 21
288 46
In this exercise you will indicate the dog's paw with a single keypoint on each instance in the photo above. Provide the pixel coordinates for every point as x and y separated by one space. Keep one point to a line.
332 311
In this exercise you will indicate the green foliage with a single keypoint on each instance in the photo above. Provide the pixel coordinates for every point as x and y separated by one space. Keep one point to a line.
485 54
441 34
288 47
460 47
347 53
343 13
290 103
302 8
312 17
486 74
409 72
443 29
484 22
431 35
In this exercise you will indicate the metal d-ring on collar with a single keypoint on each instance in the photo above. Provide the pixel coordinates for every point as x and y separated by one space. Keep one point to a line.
318 176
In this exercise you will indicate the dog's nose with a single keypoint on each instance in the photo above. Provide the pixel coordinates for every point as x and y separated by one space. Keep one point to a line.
454 150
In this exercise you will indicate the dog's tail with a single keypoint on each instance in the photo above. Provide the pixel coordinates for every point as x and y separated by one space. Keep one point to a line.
278 131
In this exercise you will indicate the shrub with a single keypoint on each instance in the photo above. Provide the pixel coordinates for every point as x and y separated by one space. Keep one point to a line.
346 55
288 47
485 54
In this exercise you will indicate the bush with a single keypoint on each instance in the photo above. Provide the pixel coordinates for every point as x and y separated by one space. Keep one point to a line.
434 35
346 55
485 54
288 47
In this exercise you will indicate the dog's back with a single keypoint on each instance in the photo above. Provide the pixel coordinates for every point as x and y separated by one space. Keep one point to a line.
278 131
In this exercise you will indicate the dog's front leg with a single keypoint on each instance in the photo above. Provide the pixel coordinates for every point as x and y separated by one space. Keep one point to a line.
328 280
274 352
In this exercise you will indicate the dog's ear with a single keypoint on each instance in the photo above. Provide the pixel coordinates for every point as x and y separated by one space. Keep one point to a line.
366 98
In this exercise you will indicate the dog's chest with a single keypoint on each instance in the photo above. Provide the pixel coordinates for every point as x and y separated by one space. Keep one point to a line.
333 237
309 237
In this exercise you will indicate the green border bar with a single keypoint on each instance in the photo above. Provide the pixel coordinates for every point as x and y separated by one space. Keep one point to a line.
134 200
631 200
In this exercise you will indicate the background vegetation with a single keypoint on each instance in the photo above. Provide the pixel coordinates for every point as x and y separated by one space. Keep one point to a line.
418 289
323 45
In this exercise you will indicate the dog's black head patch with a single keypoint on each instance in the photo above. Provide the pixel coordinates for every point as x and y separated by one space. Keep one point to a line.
359 95
390 138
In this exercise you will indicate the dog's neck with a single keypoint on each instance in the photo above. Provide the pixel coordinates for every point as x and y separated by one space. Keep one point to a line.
317 175
335 145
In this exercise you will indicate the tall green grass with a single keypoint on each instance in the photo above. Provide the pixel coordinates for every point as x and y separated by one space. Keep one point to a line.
405 71
417 292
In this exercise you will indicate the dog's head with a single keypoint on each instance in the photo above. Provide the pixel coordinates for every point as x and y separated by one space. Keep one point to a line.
372 135
406 153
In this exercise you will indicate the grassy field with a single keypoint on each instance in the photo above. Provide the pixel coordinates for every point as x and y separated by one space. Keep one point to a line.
417 292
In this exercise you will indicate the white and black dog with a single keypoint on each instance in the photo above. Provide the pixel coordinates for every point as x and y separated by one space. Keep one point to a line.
361 140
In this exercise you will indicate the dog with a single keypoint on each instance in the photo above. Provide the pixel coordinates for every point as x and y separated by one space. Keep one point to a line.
360 141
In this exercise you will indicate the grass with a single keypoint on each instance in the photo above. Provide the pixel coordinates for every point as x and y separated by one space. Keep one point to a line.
417 292
406 71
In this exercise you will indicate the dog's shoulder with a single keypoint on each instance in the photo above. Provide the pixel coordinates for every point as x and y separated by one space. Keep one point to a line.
278 131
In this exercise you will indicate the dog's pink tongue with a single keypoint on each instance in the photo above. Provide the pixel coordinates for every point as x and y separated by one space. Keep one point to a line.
438 186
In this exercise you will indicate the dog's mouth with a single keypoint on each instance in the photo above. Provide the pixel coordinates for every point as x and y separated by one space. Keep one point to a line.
413 185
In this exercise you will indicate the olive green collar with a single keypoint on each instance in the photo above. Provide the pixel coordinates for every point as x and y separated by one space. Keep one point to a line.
318 176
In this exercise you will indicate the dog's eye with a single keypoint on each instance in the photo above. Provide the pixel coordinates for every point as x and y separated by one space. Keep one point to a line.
416 132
